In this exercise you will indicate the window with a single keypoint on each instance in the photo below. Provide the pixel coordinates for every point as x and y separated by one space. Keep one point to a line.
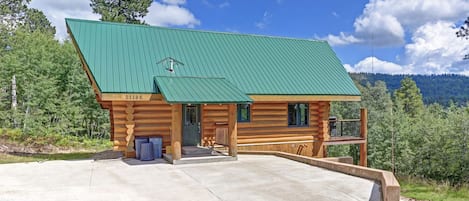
244 112
298 114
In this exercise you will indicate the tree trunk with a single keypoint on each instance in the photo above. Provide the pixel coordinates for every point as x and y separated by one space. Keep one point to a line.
14 101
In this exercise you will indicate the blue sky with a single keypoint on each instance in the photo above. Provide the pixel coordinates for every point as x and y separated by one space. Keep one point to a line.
387 36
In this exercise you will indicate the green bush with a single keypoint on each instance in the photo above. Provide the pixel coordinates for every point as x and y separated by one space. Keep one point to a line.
54 139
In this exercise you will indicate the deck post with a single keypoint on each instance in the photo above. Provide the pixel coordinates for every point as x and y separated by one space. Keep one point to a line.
176 134
363 134
232 130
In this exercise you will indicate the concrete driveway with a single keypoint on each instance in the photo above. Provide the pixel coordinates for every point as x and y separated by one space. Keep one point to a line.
252 177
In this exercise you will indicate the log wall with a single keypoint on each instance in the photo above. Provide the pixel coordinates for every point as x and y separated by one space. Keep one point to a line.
268 129
269 124
152 118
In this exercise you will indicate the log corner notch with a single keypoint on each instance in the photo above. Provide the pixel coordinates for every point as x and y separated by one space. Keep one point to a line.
130 125
319 148
364 135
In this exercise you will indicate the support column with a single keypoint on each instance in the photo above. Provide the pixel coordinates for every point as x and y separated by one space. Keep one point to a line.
176 134
233 130
130 125
363 134
319 149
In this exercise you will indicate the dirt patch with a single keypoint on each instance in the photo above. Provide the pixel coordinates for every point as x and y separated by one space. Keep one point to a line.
407 199
108 154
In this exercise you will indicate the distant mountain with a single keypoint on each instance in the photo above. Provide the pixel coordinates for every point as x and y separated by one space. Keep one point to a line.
434 88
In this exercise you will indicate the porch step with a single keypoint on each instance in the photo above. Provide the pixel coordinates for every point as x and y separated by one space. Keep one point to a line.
194 150
199 159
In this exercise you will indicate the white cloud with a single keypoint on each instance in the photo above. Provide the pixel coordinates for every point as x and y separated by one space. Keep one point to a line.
264 21
384 22
342 39
349 68
170 15
56 11
435 49
375 65
379 30
175 2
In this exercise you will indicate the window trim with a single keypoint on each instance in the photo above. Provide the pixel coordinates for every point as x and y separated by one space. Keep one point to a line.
298 115
238 112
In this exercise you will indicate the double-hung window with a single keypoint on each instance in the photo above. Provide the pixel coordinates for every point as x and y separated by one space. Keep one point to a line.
244 112
298 114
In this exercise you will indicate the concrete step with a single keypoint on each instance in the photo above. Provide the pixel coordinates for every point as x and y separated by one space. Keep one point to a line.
194 150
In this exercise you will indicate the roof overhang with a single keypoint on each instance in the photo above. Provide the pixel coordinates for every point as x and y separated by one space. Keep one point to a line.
199 90
304 98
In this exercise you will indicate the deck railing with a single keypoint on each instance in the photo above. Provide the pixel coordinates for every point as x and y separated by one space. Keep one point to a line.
344 127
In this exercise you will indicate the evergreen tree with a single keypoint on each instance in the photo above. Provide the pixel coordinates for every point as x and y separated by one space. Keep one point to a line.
408 97
127 11
16 13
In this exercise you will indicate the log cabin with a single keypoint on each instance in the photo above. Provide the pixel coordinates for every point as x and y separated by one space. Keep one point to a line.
202 88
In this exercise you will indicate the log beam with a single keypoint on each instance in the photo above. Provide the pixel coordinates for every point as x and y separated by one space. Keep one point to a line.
363 134
176 132
232 130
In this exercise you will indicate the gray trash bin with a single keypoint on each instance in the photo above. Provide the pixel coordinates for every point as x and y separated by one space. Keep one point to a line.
146 150
157 146
138 142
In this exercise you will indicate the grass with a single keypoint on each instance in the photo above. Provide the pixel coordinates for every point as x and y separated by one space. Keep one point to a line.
430 190
21 158
43 147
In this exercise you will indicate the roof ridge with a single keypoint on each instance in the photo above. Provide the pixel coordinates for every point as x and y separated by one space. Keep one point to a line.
193 30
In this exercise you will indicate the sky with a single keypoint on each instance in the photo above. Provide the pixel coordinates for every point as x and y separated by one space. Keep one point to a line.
378 36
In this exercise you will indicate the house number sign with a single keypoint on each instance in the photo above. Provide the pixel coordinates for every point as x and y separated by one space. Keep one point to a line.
133 97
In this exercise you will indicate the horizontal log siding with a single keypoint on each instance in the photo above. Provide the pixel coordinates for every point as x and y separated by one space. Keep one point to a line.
211 114
152 118
269 124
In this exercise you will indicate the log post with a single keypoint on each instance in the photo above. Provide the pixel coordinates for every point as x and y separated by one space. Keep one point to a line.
363 134
130 125
233 130
176 134
319 149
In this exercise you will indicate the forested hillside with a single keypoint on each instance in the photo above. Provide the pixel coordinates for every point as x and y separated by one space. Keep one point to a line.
440 89
407 137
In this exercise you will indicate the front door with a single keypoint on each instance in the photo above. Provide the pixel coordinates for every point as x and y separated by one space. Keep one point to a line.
191 125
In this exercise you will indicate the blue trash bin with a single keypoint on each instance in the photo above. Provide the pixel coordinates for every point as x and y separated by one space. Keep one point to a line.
146 150
138 142
157 146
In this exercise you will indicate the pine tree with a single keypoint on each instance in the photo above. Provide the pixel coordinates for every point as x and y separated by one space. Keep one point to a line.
127 11
409 98
16 13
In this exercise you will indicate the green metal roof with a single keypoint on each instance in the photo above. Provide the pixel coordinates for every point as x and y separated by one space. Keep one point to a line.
199 90
123 58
